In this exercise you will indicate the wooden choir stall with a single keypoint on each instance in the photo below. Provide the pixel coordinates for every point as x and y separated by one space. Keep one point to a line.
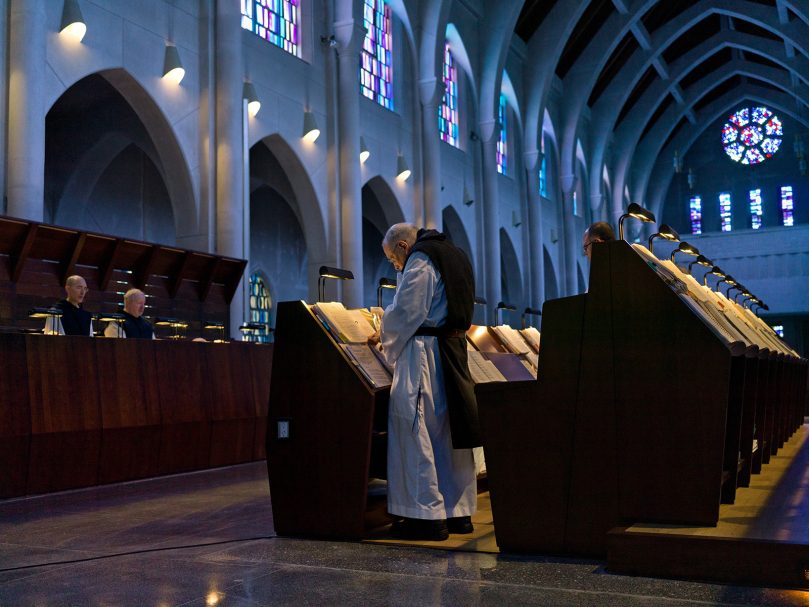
81 411
656 402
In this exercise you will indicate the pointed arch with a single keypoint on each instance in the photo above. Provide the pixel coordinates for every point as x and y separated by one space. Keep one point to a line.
458 49
510 272
454 228
551 282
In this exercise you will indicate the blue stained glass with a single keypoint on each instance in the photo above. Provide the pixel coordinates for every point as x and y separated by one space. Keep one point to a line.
260 307
276 22
502 142
695 211
725 212
376 75
756 210
752 135
787 206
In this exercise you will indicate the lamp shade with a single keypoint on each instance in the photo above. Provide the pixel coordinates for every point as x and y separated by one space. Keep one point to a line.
365 153
636 211
253 103
686 248
402 170
310 129
666 232
701 260
173 70
72 24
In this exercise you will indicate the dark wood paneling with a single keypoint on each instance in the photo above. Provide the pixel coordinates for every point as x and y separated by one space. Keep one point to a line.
15 416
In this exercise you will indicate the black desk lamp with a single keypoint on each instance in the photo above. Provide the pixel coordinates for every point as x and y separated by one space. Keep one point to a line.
636 211
327 272
666 232
384 283
530 312
502 306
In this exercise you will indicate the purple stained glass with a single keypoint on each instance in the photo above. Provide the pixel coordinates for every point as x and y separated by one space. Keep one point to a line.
695 211
502 142
787 206
448 112
751 135
276 21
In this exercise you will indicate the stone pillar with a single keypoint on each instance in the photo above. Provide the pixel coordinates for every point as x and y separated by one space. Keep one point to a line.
432 93
491 218
349 35
231 163
25 186
533 160
572 241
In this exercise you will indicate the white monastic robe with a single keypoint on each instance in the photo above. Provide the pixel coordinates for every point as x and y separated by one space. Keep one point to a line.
427 478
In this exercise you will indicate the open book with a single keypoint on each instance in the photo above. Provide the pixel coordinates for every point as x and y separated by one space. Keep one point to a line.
347 326
512 339
481 369
531 335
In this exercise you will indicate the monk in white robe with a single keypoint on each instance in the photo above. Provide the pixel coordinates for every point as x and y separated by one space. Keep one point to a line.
427 478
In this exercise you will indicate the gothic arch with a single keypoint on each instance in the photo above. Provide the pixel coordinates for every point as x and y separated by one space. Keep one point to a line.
454 228
510 272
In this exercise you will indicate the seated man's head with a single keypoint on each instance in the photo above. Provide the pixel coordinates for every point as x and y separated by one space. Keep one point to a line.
397 243
134 302
76 289
600 231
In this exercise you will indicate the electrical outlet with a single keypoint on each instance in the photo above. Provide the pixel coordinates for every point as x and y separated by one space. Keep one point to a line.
283 429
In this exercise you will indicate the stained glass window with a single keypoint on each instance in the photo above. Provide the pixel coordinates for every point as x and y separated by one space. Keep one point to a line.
260 306
448 112
277 21
755 208
751 135
725 212
779 329
695 209
502 142
787 208
543 178
376 70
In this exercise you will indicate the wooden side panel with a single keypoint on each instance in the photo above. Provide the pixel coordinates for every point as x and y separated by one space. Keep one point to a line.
319 475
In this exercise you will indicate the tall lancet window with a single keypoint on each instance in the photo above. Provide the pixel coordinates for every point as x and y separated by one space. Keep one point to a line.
376 69
725 212
448 112
277 21
695 211
543 178
260 306
502 142
787 208
756 210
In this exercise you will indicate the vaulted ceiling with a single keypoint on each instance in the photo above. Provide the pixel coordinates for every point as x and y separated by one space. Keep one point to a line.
655 73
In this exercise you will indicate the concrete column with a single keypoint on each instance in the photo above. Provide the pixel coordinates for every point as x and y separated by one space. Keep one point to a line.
571 239
491 218
231 163
432 93
25 186
4 33
349 35
536 265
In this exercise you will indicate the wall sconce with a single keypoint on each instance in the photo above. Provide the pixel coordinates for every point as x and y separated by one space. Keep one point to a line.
692 179
636 211
365 153
335 273
716 271
665 232
249 93
686 248
173 70
530 312
402 170
52 316
218 327
310 129
701 260
467 197
384 283
498 311
72 25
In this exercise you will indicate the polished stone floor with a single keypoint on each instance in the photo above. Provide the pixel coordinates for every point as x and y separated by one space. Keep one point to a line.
207 539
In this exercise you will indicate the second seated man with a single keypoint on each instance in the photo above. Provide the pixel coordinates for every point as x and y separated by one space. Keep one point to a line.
133 325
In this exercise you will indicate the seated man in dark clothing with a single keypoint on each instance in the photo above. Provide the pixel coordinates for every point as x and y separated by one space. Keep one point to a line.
133 325
74 320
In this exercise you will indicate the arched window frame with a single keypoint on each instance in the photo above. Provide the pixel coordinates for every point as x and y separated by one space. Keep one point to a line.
276 21
448 121
376 57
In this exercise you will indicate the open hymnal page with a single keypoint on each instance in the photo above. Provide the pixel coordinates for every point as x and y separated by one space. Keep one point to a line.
369 364
482 370
512 339
349 326
531 335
